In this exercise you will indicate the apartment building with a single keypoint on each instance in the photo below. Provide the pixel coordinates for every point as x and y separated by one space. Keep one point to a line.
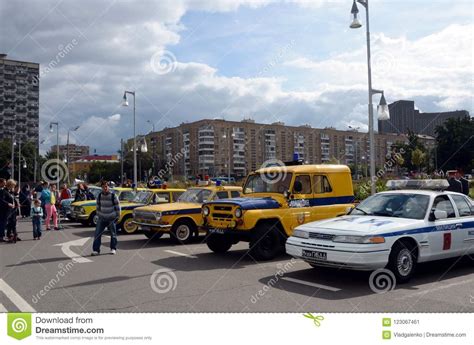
72 151
19 95
211 147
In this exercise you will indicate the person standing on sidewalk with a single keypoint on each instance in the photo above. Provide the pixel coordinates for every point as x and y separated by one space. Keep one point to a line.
12 188
36 215
6 206
108 211
48 198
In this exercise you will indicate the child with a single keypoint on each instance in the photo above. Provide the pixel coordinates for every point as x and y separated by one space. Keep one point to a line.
36 215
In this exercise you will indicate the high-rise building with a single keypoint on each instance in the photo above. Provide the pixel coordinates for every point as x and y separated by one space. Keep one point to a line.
73 153
208 146
19 99
405 117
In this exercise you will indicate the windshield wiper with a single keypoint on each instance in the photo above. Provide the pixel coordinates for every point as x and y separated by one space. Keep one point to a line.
361 210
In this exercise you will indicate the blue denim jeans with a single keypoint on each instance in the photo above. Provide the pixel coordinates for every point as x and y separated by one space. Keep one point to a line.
36 226
102 225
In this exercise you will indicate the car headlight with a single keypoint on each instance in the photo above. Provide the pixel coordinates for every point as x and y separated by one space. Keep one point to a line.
301 233
157 215
238 212
82 210
359 239
205 211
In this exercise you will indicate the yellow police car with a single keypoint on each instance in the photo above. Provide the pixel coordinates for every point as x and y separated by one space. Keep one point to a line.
145 197
275 200
181 219
85 211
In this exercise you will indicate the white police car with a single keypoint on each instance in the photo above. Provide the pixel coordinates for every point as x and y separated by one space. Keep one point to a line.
395 229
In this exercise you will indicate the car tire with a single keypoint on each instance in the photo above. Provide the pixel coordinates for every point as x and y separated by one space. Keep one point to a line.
127 226
152 235
183 231
267 242
93 218
218 243
402 261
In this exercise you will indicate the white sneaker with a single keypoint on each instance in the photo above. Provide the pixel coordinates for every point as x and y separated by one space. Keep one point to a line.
95 253
113 252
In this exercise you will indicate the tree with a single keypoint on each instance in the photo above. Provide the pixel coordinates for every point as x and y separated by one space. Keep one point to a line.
418 158
27 157
407 149
455 144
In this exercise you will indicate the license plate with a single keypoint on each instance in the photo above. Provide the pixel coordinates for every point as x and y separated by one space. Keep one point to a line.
216 231
312 254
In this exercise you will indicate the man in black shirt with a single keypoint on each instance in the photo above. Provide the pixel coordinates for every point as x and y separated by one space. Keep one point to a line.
464 182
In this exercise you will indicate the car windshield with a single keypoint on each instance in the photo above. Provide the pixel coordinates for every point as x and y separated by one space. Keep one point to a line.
413 206
125 195
277 182
95 191
142 197
195 195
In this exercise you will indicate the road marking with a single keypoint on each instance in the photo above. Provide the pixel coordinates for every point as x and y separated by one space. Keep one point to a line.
17 300
66 248
438 288
182 254
3 309
319 286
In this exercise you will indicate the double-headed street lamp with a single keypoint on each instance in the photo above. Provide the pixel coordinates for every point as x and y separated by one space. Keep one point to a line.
125 104
72 129
382 109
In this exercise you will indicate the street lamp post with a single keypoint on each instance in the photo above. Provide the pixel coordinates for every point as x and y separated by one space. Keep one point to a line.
153 147
356 129
12 159
72 129
51 124
125 104
382 109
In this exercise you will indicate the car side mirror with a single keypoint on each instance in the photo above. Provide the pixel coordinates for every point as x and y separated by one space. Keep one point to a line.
287 194
438 214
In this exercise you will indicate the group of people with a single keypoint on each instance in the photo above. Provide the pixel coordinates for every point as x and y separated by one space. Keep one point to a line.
457 182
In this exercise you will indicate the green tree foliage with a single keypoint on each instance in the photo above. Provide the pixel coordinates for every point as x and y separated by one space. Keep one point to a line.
27 156
413 144
104 171
418 158
455 144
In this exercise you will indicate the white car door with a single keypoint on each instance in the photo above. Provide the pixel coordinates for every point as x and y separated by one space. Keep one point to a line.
466 221
445 239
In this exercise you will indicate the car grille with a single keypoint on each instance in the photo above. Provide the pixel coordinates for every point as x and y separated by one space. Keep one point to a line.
144 215
222 213
320 236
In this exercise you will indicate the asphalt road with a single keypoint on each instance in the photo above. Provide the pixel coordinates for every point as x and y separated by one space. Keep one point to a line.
167 277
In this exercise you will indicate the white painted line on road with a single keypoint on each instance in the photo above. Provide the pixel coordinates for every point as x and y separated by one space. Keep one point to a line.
182 254
438 288
3 309
66 249
319 286
15 297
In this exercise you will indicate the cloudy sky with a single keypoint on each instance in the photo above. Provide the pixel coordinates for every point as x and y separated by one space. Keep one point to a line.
291 61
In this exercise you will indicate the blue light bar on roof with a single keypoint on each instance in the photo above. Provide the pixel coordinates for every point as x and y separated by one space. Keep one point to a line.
417 184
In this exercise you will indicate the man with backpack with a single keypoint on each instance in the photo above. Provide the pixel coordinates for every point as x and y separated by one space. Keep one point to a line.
108 211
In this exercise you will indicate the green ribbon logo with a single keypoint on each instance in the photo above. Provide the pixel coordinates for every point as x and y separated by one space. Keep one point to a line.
316 319
19 325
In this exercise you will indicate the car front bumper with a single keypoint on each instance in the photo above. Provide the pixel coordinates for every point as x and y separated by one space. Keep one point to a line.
364 257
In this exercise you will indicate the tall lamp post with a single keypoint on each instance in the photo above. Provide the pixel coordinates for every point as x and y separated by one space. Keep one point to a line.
72 129
51 124
382 108
153 147
12 159
125 104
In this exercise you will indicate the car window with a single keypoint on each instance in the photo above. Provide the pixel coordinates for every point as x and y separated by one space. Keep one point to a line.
160 198
126 195
234 194
302 185
222 195
176 195
462 205
321 184
442 203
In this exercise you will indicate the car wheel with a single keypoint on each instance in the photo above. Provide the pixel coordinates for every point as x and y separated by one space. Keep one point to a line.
93 219
128 226
152 235
402 261
183 231
267 242
218 243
